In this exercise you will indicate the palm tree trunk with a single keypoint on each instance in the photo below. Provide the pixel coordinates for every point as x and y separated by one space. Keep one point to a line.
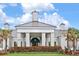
76 43
5 45
68 44
74 47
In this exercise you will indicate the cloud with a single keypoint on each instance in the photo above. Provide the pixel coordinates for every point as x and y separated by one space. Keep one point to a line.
29 7
40 7
44 8
25 18
2 13
66 23
3 17
53 19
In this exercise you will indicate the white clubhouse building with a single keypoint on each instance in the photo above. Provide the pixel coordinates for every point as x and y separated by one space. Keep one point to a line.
37 33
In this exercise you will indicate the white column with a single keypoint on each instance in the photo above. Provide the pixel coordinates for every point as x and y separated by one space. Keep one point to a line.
8 43
77 44
52 39
64 42
18 39
48 39
4 44
43 39
12 43
27 40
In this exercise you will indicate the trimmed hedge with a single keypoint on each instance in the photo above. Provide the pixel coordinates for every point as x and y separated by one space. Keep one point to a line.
35 49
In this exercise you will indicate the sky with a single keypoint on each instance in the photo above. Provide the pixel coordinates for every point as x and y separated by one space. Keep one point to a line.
51 13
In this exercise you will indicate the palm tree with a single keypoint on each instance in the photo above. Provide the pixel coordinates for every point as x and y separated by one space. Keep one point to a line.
1 37
71 36
6 35
68 38
75 37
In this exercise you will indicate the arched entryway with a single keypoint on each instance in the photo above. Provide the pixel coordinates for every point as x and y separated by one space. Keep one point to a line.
35 41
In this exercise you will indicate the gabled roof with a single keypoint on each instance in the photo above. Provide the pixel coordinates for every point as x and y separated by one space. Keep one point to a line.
35 24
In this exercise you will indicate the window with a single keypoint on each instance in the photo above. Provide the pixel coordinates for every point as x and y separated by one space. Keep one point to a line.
23 35
21 43
15 44
49 43
54 43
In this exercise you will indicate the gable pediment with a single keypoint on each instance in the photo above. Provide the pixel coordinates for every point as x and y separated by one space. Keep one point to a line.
35 24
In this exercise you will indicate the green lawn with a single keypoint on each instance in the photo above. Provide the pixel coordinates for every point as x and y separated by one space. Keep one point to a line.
35 54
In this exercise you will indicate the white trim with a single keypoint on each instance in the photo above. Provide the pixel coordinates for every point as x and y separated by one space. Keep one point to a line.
35 31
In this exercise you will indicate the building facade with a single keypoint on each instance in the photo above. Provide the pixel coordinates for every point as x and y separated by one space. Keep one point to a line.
36 33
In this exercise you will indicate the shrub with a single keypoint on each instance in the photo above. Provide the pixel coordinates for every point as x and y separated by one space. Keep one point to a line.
2 52
35 49
76 52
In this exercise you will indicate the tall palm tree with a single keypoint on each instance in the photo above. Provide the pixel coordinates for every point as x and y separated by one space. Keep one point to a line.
6 35
74 36
71 36
68 38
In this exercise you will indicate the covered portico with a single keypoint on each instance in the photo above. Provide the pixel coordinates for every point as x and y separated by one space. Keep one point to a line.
44 37
28 34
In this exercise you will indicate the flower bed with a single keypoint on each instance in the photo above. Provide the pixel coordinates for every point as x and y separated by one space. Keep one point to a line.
35 49
2 53
71 52
76 52
68 52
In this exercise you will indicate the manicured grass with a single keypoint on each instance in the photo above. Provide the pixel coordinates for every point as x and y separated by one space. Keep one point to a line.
35 54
